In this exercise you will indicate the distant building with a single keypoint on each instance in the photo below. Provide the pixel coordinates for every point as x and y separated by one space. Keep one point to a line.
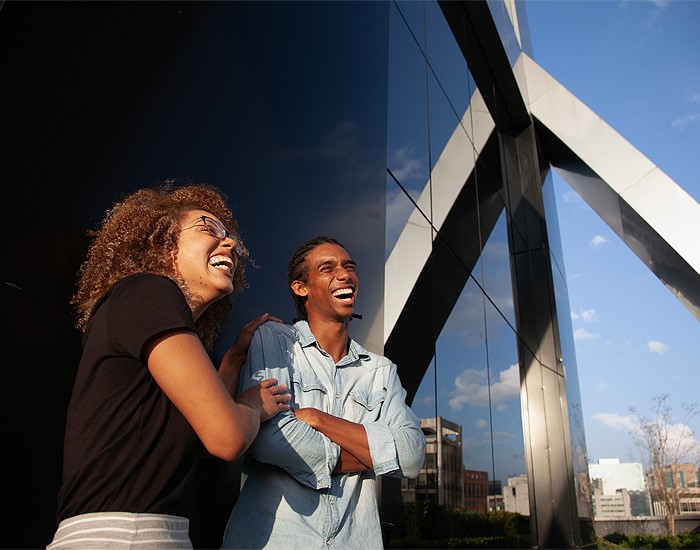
496 503
618 489
516 496
476 490
611 506
615 475
441 478
686 478
495 500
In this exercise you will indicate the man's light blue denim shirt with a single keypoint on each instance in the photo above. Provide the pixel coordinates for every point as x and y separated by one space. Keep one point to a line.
290 496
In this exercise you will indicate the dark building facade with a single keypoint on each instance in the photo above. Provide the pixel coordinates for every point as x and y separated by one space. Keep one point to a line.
476 490
413 132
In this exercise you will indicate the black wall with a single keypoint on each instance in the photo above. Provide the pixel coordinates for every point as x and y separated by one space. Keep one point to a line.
283 105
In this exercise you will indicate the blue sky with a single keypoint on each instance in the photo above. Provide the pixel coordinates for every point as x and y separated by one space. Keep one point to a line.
637 65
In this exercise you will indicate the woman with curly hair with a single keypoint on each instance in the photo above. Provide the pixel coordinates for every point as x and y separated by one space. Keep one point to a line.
153 293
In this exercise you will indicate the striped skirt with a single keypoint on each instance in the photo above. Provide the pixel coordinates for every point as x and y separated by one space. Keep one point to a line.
122 530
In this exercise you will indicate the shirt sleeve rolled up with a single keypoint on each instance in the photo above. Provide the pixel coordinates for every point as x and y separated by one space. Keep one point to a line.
285 441
396 441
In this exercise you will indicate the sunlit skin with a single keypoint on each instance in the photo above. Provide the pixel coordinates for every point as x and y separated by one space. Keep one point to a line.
197 248
331 271
181 366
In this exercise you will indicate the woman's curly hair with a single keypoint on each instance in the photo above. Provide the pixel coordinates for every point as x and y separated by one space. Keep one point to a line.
140 233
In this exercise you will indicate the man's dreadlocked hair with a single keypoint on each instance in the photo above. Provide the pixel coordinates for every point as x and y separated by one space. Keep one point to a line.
298 270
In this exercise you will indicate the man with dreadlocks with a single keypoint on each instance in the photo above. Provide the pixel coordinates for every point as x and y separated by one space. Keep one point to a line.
310 473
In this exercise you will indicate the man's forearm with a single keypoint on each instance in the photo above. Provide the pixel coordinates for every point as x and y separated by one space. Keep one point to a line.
347 463
300 450
350 436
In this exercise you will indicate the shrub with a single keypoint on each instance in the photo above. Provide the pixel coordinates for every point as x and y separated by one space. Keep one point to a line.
427 525
651 542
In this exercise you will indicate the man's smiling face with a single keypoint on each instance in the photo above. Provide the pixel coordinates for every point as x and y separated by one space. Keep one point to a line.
331 283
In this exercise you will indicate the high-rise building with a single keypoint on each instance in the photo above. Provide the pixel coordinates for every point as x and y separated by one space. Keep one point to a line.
431 164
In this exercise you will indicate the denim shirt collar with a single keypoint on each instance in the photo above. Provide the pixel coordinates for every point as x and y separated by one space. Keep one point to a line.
307 338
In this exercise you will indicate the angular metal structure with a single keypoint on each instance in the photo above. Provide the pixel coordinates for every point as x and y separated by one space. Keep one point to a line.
284 105
655 217
522 122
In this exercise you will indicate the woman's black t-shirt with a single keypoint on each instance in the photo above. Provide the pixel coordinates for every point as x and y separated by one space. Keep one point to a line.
127 447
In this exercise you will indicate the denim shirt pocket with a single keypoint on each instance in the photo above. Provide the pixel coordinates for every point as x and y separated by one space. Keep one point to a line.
367 404
308 390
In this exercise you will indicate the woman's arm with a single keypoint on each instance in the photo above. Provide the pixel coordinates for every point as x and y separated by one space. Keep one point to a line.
182 368
235 357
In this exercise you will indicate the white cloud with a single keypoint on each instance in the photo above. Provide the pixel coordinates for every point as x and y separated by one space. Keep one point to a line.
398 209
471 388
658 347
501 436
694 97
681 436
469 443
598 241
404 165
589 315
581 334
601 386
481 423
586 315
681 123
678 436
497 249
467 319
571 197
427 400
617 421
